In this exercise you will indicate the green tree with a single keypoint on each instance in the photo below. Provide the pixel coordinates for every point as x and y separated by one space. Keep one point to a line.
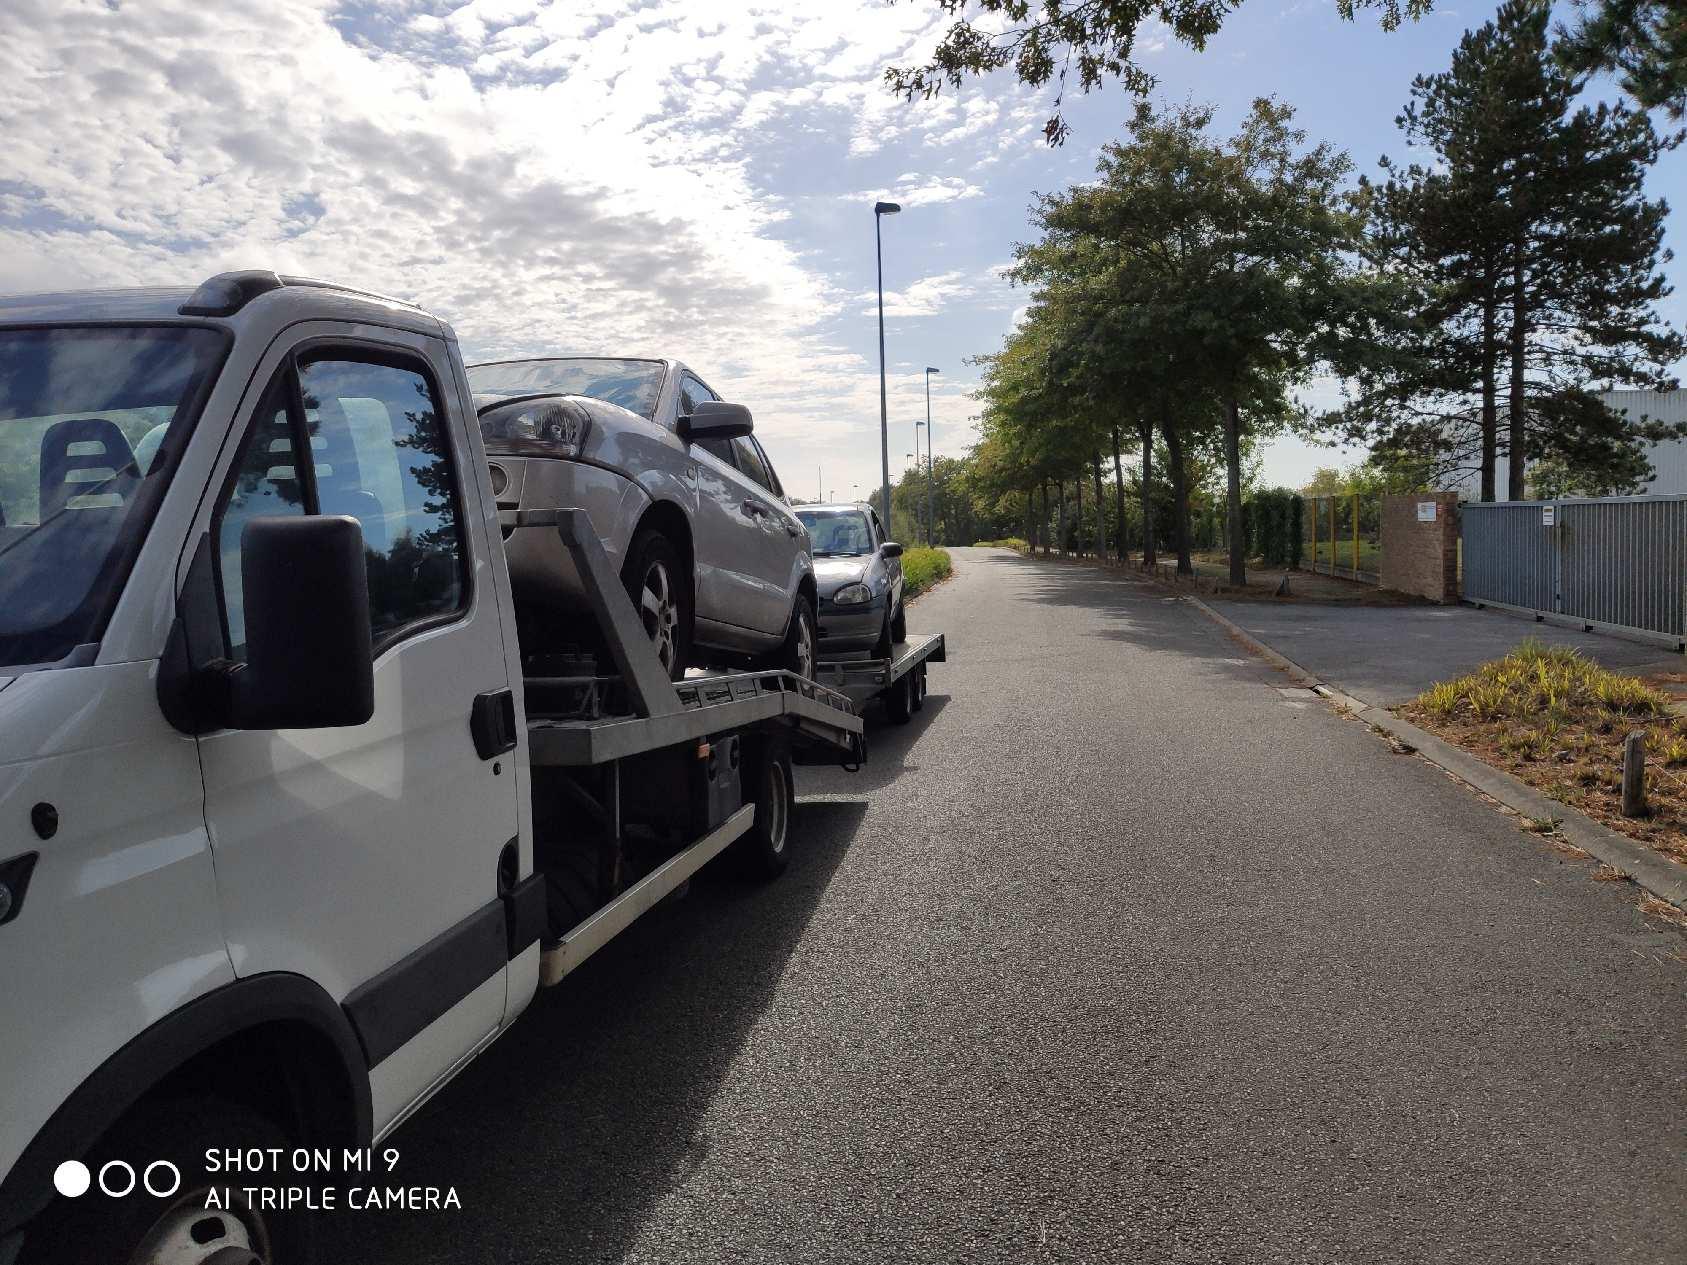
1089 41
1644 42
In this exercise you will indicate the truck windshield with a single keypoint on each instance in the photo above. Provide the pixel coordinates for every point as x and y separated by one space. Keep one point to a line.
633 384
90 421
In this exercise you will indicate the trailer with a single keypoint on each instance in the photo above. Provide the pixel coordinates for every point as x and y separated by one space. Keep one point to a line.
899 681
710 756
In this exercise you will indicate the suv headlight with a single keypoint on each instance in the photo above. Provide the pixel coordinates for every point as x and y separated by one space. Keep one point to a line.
852 595
547 426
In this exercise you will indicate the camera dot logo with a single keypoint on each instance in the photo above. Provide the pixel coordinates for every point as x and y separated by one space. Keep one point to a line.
72 1179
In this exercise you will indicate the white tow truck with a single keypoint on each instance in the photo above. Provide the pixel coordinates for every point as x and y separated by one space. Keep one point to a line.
288 832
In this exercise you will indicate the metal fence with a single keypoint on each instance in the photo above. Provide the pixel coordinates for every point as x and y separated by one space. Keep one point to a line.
1342 536
1617 563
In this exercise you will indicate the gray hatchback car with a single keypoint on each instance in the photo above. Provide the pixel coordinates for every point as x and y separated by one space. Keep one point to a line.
858 574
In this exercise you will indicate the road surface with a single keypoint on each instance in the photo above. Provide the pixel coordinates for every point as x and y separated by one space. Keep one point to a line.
1118 953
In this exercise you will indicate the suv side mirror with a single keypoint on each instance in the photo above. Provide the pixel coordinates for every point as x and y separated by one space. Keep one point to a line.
309 662
891 549
715 419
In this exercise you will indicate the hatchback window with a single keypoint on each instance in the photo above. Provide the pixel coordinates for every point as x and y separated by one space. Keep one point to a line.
749 461
838 533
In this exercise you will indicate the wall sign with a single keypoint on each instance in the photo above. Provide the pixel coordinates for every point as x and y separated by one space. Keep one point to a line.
1426 511
1547 515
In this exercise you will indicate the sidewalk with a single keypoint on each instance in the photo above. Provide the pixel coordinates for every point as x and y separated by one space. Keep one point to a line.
1389 655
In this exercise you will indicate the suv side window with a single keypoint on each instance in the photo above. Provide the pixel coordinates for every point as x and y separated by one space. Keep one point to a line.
691 394
750 462
379 452
777 488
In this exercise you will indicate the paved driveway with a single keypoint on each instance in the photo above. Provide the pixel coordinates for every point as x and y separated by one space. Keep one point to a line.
1389 654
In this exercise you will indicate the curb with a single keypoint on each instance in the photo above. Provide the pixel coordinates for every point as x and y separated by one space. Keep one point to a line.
1649 870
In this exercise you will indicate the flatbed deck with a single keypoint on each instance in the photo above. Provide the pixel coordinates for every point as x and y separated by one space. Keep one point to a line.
864 679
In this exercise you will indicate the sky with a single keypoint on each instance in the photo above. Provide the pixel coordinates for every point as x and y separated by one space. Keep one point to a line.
689 178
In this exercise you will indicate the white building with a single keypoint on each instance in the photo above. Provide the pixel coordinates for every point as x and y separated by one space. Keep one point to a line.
1669 459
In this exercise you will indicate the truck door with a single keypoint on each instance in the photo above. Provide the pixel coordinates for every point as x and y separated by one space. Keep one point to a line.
367 858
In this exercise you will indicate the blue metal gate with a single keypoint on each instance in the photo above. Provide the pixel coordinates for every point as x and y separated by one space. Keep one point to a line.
1615 563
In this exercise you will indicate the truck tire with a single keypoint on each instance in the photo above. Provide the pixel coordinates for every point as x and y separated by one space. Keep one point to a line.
899 699
899 623
657 582
765 848
143 1229
799 652
884 647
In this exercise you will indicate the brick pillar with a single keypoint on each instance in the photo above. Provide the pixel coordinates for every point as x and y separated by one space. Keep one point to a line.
1420 545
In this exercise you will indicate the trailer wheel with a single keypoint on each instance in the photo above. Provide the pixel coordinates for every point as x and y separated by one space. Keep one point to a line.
764 849
899 622
919 675
157 1142
899 699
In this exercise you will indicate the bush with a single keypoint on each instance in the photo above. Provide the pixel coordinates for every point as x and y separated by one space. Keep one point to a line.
1010 542
1274 520
922 568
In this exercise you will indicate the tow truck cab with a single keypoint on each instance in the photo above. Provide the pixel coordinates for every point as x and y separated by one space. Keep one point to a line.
251 605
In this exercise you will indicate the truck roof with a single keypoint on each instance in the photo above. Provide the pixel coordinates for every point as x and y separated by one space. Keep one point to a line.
235 297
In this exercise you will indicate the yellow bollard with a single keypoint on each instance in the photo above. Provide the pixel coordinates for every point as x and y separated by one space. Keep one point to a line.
1355 535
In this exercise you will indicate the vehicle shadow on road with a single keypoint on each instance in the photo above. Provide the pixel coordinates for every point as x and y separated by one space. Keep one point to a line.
565 1134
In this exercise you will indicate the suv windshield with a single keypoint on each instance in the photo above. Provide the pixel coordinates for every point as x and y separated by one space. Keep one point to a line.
837 533
633 384
90 421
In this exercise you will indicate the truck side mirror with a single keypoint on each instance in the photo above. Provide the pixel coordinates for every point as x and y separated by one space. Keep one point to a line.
715 419
309 662
891 549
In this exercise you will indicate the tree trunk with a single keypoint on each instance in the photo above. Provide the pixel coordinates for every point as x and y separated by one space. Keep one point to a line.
1517 439
1490 406
1180 499
1149 555
1060 512
1119 495
1078 516
1031 519
1233 500
1100 512
1043 527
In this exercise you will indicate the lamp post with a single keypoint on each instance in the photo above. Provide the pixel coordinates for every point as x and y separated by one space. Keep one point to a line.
917 461
931 463
880 210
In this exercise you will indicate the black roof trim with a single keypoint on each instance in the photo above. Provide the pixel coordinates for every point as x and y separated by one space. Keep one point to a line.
228 292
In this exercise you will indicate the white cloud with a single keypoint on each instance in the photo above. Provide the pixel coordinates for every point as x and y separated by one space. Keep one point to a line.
914 190
545 174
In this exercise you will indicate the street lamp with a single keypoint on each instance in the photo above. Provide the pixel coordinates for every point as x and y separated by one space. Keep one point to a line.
880 210
931 463
927 427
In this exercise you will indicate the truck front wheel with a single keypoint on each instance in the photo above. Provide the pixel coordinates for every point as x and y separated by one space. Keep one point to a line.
163 1145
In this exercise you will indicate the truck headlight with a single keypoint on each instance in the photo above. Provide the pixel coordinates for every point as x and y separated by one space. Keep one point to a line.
852 595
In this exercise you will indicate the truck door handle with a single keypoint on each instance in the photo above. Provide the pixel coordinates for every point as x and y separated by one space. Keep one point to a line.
751 508
492 723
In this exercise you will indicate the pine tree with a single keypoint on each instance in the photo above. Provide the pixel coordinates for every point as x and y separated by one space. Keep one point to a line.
1534 256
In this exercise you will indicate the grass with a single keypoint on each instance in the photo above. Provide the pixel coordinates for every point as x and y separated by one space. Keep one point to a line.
1370 553
1011 542
922 568
1557 720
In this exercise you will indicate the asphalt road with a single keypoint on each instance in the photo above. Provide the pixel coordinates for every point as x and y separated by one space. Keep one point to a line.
1116 954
